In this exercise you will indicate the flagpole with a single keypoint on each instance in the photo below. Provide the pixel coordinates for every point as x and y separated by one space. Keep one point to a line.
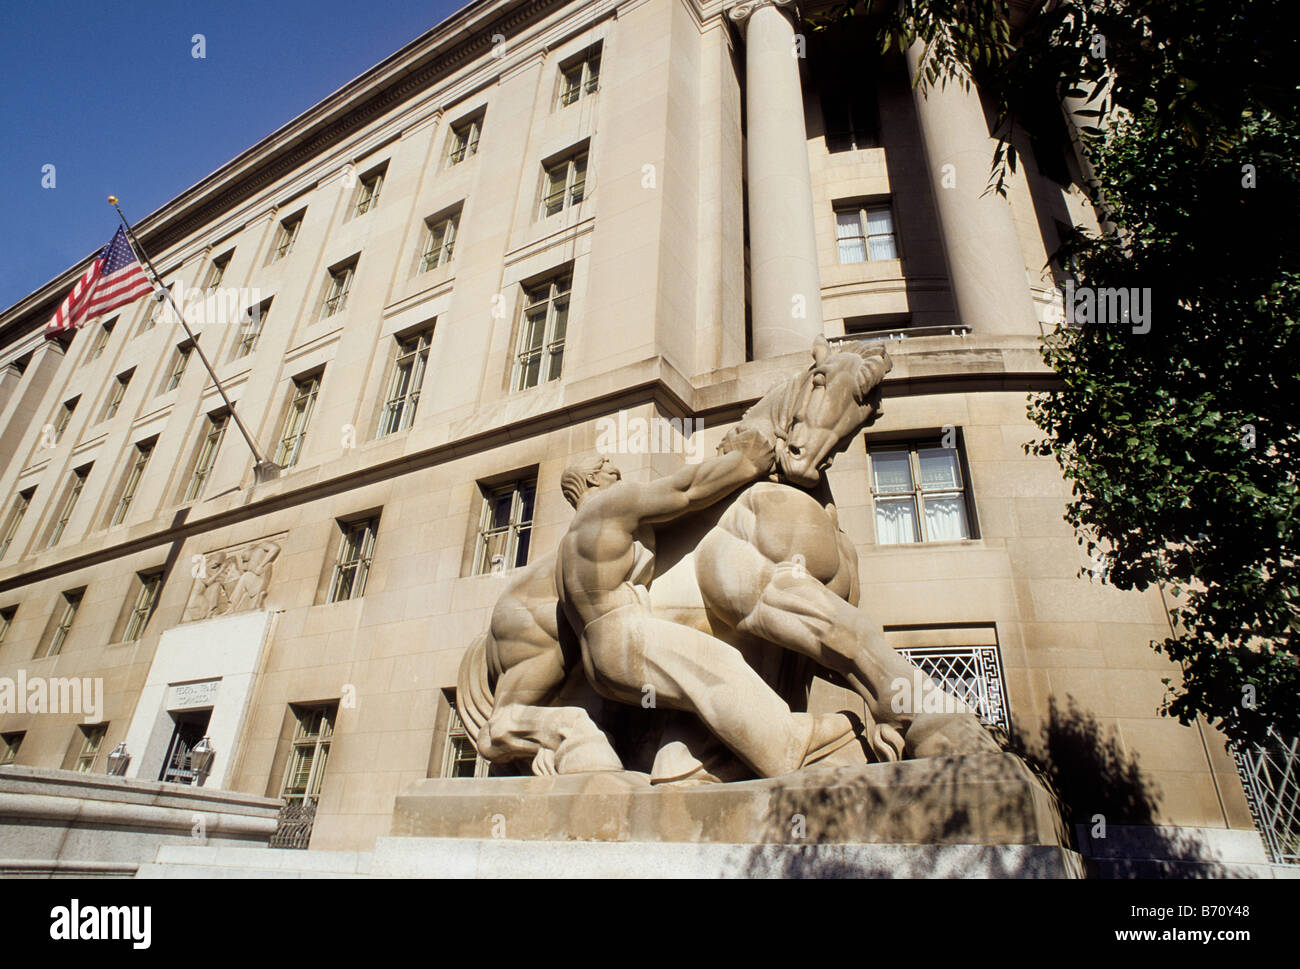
263 470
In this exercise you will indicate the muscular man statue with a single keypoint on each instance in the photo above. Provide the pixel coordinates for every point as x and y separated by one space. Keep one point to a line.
603 569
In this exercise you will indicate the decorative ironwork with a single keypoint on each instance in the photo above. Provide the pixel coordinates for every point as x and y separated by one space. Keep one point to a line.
1271 776
294 825
970 673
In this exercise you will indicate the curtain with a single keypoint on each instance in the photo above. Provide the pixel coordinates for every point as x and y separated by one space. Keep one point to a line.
945 519
896 521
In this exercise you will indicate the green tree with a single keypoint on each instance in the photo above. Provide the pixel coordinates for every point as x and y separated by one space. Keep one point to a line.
1182 441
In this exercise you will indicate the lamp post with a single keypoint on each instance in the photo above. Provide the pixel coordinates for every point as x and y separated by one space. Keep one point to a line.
201 757
118 761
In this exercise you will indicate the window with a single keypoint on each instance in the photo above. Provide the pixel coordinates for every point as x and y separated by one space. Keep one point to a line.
336 290
459 757
101 338
851 120
439 242
116 394
92 738
75 487
158 304
143 451
67 613
296 421
312 736
9 745
580 78
356 548
179 360
924 476
189 728
565 183
146 598
464 140
22 501
286 237
507 520
368 191
865 232
63 417
540 355
207 454
251 331
404 389
217 272
6 620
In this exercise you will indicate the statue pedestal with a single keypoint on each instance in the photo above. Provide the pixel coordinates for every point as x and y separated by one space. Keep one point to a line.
980 815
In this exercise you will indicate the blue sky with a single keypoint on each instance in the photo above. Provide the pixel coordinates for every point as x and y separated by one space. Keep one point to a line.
111 96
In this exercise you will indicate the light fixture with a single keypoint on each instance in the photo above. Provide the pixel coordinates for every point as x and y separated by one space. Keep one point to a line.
118 761
201 756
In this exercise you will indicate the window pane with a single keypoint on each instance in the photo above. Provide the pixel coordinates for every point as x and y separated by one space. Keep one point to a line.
945 519
892 471
939 469
847 225
896 521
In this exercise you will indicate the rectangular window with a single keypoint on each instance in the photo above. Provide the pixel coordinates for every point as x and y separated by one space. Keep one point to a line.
146 598
312 736
851 119
356 548
336 290
251 330
404 388
439 242
459 757
540 353
116 394
9 746
179 361
143 451
101 338
579 78
92 738
64 417
505 527
919 493
158 304
565 184
206 455
865 232
6 620
22 501
369 188
217 272
296 420
286 236
67 613
464 140
75 486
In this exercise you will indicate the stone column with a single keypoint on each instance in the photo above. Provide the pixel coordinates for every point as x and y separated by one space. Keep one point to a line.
785 286
989 284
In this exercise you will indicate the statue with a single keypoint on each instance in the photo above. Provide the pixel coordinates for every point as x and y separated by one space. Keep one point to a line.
685 586
235 580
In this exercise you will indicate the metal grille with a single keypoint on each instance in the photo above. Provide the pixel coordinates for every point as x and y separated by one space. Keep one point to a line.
1269 773
970 673
294 825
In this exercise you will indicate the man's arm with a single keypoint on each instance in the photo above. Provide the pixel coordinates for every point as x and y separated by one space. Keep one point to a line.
698 486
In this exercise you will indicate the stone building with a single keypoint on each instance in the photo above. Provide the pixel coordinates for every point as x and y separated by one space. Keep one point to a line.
431 290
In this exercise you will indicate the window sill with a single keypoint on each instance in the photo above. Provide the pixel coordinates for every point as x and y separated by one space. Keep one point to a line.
956 543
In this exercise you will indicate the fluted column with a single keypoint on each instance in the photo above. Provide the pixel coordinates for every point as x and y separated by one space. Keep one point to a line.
785 285
989 284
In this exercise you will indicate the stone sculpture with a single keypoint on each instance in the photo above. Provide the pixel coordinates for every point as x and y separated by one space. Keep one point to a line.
689 589
233 580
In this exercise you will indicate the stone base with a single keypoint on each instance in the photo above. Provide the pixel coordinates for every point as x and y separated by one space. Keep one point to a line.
970 801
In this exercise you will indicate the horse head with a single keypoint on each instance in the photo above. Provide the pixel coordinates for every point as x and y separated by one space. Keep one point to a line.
813 414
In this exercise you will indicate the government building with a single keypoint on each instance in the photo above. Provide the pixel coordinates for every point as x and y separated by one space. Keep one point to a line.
429 293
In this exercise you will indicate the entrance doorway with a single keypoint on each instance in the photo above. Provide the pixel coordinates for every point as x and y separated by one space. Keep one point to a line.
191 727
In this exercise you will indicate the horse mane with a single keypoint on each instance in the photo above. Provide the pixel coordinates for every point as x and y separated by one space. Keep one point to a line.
776 407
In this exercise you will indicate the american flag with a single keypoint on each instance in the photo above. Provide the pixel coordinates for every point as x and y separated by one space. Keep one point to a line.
114 279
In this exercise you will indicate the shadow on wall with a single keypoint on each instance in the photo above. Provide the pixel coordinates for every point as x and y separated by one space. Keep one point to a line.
1099 783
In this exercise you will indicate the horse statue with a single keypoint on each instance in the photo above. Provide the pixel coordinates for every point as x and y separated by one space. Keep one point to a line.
765 567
